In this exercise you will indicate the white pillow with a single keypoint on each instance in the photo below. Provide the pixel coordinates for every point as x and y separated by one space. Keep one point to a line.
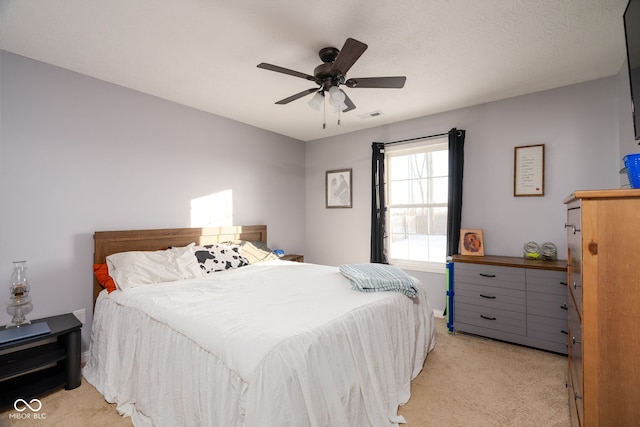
186 260
136 268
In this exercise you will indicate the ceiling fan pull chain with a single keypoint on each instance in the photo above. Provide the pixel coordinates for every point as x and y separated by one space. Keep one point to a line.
324 112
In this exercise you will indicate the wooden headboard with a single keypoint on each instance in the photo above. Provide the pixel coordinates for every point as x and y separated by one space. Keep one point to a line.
111 242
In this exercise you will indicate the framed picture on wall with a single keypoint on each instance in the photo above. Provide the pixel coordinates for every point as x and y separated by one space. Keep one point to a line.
528 171
338 188
471 242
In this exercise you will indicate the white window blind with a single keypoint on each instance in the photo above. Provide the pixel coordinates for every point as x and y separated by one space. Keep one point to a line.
417 202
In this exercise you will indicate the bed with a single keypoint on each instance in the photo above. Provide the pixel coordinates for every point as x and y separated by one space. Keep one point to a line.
271 343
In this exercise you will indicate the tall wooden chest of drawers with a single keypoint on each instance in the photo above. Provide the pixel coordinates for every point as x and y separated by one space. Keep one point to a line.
512 299
603 234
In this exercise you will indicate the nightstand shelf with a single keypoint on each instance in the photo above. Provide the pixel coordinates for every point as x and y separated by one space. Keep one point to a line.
31 385
29 359
32 366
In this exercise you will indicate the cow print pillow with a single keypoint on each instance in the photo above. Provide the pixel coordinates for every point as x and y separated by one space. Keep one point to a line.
219 257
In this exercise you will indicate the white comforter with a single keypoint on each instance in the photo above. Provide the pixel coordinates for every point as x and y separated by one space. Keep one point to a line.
272 344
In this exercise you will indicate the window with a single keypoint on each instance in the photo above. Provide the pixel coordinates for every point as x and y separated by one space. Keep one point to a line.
417 191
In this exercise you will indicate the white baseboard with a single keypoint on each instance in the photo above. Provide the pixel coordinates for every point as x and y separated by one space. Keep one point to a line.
439 313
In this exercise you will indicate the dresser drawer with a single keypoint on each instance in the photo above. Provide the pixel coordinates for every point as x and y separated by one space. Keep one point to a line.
574 242
546 281
489 296
548 328
514 322
549 305
490 275
547 309
575 291
575 359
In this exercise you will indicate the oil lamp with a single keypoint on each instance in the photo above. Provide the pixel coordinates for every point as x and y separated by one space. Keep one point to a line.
19 304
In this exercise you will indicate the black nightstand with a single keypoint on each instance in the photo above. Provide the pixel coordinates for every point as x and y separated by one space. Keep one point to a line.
32 366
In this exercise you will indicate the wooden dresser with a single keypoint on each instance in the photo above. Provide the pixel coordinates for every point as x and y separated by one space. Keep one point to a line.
603 233
512 299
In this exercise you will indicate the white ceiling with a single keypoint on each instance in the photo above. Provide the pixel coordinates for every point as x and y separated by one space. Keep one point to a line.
203 53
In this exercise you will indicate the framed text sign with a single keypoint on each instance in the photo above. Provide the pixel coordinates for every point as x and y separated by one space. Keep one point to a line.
528 174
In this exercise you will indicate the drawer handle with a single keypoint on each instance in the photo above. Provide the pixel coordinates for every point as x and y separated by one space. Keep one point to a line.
563 283
487 275
574 340
564 332
487 317
575 230
577 396
575 285
564 306
488 296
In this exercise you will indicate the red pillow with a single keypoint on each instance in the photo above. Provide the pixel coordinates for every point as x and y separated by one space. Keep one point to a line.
102 274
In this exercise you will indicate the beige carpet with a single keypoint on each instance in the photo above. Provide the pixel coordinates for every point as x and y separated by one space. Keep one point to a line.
466 381
471 381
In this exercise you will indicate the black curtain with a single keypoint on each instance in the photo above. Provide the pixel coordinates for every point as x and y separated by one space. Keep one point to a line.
378 208
456 169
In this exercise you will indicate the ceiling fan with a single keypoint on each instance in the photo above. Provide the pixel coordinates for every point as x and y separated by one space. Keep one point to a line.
332 73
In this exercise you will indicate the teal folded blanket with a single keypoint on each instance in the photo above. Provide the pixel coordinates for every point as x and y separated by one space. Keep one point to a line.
379 277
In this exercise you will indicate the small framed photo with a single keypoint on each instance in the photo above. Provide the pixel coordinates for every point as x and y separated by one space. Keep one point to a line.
338 188
471 242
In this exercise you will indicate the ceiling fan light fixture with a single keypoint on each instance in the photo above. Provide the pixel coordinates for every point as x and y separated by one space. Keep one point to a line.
336 96
316 101
339 107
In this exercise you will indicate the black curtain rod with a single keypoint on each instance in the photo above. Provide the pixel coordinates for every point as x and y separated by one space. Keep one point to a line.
415 139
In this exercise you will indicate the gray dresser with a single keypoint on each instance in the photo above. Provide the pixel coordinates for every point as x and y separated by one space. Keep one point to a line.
512 299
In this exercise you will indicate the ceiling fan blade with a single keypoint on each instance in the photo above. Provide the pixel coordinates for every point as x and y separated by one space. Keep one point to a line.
351 51
297 96
377 82
348 102
282 70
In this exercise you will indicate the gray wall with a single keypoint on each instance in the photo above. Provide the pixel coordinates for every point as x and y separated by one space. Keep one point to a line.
79 155
578 125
